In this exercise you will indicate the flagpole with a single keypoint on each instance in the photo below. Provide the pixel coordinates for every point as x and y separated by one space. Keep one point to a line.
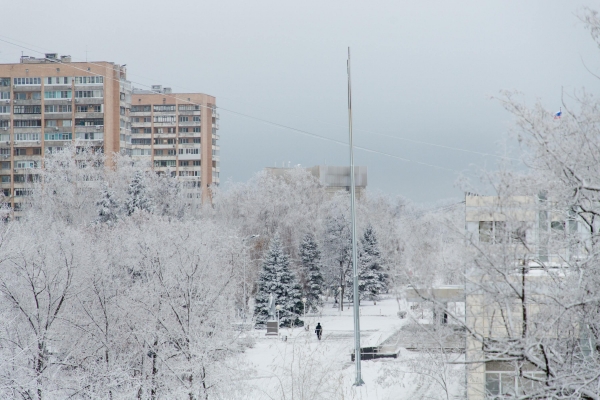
355 294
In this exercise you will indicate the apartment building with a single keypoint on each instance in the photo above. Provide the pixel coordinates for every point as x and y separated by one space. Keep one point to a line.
177 134
334 178
525 252
49 102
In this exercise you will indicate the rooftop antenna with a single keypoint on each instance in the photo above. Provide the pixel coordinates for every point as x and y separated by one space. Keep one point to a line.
355 295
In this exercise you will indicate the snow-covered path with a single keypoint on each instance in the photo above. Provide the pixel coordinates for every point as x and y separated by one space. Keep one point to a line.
305 368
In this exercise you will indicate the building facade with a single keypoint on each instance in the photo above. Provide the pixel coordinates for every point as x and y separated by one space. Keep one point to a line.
47 103
333 178
50 102
526 252
176 133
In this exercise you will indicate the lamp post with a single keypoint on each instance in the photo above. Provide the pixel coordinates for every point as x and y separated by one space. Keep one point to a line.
340 300
304 308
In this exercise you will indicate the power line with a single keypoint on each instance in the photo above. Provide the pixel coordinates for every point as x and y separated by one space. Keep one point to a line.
282 126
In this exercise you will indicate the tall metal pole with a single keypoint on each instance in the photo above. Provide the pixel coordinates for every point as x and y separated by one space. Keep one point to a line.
359 380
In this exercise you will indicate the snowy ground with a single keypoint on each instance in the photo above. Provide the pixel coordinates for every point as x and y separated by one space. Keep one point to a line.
304 368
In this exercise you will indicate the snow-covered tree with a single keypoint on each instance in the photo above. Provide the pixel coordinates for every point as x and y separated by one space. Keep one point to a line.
277 279
108 206
338 247
372 277
310 258
138 198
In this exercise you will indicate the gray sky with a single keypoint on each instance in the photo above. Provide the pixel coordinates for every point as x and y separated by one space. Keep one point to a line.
421 70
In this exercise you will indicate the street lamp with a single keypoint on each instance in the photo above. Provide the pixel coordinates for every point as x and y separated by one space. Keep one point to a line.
304 308
340 303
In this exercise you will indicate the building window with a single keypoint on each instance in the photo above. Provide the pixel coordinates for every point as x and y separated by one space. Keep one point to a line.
4 109
27 123
23 192
147 130
57 94
89 108
140 152
88 80
79 94
183 130
165 119
4 81
58 80
67 108
189 173
5 178
4 95
58 136
27 137
5 165
89 122
164 163
67 122
25 164
27 109
197 140
196 119
183 163
183 140
164 107
158 152
197 129
20 96
189 107
51 122
27 81
140 109
171 152
144 142
189 151
196 163
183 118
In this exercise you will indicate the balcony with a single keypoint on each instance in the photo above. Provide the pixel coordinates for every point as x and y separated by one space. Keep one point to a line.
190 123
140 114
89 115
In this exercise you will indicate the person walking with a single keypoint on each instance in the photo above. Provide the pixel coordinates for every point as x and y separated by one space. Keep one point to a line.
319 330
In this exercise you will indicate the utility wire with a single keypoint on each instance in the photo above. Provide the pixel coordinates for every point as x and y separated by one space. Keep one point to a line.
282 126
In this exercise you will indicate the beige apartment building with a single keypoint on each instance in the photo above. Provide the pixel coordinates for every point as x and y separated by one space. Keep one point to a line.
47 103
521 228
177 134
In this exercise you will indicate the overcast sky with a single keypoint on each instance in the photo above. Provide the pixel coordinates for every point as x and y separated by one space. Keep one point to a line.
421 71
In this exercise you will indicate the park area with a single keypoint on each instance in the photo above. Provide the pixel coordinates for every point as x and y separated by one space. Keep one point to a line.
296 365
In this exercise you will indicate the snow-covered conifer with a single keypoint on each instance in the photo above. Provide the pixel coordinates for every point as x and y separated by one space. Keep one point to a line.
372 279
108 206
311 265
138 197
276 278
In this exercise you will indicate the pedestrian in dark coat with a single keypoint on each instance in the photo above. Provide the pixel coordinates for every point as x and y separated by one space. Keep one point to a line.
319 330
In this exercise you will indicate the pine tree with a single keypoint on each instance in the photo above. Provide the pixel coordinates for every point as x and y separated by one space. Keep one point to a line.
311 265
372 277
138 198
277 278
108 206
